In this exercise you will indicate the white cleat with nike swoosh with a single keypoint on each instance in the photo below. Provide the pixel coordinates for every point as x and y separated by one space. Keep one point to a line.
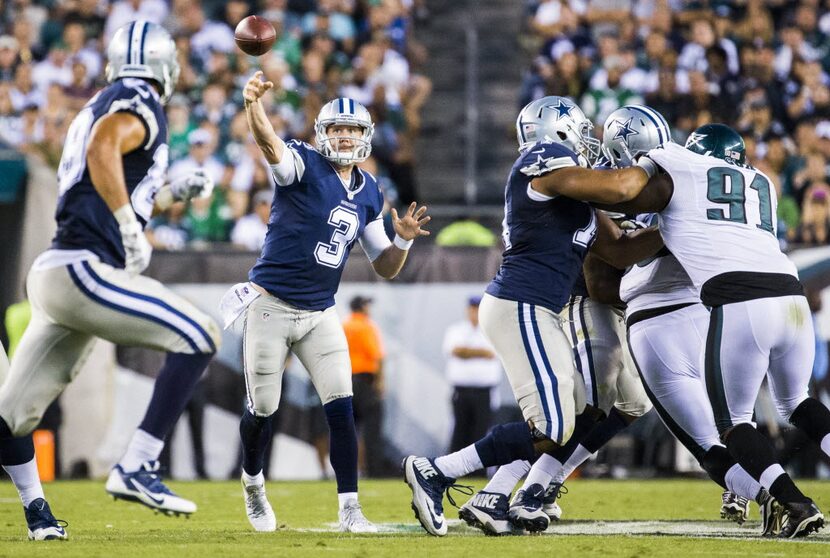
428 484
146 487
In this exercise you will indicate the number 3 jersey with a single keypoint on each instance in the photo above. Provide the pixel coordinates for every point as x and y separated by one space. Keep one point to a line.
720 224
545 237
84 220
315 221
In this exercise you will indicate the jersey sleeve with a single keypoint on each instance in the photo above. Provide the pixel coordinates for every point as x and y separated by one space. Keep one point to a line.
291 168
545 157
139 101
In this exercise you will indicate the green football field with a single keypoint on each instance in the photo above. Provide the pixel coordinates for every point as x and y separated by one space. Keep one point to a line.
601 518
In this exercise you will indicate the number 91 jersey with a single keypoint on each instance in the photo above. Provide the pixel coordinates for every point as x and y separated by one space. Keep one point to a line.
721 217
315 221
84 220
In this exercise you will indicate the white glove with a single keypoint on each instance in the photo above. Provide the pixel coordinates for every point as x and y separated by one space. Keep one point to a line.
136 246
194 185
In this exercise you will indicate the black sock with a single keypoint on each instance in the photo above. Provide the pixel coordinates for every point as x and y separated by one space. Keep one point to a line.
584 425
14 451
255 433
812 418
717 462
755 454
613 424
342 443
172 390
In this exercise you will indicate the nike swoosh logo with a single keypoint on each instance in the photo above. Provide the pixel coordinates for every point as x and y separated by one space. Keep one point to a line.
140 488
435 523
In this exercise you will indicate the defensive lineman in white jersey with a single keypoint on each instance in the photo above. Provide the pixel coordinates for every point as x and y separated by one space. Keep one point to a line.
717 216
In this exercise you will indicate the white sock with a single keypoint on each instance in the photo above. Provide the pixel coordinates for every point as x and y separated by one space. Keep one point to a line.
26 480
577 458
738 481
771 474
507 476
825 444
143 447
343 497
248 480
463 462
542 471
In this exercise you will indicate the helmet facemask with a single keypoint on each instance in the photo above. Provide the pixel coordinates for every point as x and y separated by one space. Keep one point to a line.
344 112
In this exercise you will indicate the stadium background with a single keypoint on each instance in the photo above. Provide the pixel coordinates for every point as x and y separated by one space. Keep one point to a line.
444 82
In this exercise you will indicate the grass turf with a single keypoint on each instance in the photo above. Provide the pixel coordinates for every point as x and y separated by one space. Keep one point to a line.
307 516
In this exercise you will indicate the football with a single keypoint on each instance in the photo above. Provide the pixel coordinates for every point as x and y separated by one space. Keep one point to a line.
255 35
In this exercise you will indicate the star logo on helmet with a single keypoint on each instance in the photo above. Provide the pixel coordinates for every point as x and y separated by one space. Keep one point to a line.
624 130
562 109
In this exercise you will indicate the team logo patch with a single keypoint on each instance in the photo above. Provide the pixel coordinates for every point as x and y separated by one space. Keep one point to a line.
266 316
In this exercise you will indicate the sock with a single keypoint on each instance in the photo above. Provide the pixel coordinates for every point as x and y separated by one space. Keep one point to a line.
344 497
583 425
506 443
255 433
505 479
342 443
579 456
257 479
26 480
813 418
755 454
142 447
737 480
717 462
171 392
542 471
604 431
461 463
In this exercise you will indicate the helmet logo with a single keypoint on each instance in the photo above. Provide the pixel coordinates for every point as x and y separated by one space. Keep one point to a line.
561 109
695 139
625 130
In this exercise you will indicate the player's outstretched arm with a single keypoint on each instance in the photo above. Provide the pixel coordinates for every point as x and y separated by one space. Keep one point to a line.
600 186
266 138
407 228
621 249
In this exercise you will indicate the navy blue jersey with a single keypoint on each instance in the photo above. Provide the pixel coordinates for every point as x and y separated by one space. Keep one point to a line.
580 288
546 238
84 220
315 221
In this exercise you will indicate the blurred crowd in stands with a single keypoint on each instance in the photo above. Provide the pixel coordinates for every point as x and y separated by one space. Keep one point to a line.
52 59
761 66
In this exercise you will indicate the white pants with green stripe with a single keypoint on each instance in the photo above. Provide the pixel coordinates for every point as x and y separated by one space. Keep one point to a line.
668 351
748 340
538 361
71 306
597 334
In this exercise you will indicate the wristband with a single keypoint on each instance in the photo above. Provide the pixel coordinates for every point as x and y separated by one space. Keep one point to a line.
401 243
125 215
649 166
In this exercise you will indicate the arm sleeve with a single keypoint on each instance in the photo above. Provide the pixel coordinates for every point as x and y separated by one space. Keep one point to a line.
290 169
374 240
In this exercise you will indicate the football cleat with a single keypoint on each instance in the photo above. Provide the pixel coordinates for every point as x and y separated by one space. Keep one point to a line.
428 484
260 513
772 515
352 519
554 491
526 509
42 524
802 518
487 511
734 508
146 487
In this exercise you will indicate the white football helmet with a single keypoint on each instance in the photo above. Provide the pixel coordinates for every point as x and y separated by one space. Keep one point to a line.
142 49
633 130
347 112
560 120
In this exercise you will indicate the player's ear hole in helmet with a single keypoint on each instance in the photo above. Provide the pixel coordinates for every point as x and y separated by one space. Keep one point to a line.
142 49
344 112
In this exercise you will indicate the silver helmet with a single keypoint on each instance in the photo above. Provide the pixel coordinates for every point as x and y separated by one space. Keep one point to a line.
348 112
560 120
633 130
142 49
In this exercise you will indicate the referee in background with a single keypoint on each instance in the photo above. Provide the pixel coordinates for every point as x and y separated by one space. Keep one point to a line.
473 369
